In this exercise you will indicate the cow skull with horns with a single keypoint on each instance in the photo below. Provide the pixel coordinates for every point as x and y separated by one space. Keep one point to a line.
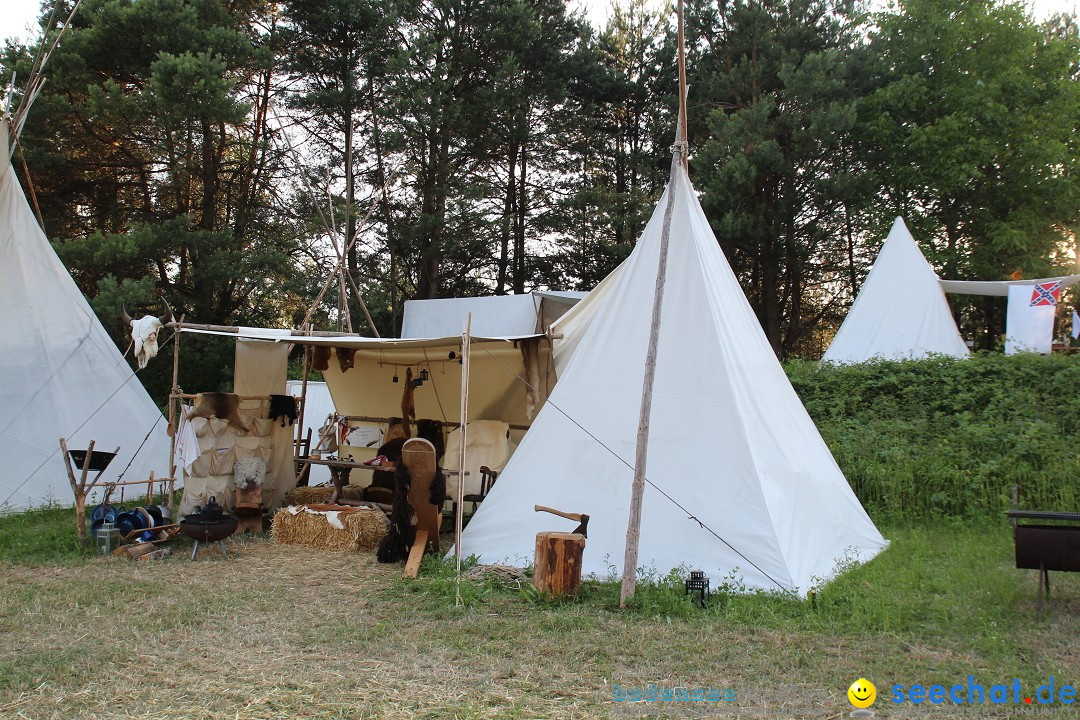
144 332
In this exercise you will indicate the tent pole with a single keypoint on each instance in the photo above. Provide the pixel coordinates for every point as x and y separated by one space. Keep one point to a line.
682 88
173 400
633 528
300 420
459 506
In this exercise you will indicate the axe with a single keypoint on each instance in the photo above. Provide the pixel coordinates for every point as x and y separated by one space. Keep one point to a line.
581 529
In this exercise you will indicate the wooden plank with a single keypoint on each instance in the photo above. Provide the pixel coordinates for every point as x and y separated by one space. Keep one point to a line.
416 554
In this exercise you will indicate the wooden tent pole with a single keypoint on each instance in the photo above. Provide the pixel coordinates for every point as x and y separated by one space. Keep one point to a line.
300 419
682 87
633 528
173 402
466 346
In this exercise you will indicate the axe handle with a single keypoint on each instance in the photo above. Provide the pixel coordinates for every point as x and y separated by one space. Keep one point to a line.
576 517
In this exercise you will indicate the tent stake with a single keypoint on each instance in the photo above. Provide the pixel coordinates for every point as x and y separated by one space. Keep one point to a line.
633 528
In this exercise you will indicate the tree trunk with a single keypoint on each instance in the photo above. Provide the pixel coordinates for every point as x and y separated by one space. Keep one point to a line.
519 224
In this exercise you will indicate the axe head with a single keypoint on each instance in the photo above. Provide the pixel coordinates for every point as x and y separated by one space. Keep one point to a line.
583 528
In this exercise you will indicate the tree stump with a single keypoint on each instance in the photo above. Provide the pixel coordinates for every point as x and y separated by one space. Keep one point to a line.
558 562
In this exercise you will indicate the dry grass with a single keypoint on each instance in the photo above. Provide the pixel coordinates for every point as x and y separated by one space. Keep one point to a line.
283 631
363 530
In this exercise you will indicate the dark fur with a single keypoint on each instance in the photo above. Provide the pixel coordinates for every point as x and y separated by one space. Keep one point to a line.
394 547
346 358
283 407
225 406
320 358
432 431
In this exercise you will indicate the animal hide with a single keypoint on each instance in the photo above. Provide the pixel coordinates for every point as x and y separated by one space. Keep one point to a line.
249 471
408 404
394 547
346 358
144 333
320 358
283 407
225 406
432 431
394 430
530 357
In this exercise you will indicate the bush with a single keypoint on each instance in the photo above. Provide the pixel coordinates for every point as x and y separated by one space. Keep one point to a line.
947 437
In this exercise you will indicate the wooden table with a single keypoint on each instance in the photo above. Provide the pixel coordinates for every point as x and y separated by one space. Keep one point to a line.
340 469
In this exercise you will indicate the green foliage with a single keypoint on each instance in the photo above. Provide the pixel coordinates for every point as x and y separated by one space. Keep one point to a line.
41 535
946 437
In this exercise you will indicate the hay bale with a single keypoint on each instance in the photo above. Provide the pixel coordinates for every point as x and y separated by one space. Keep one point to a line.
364 528
321 494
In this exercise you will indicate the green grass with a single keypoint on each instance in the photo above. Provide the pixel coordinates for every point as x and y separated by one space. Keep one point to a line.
41 535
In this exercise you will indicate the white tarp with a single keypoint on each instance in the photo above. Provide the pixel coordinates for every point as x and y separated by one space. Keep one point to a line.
759 496
319 406
900 312
61 375
1029 319
999 288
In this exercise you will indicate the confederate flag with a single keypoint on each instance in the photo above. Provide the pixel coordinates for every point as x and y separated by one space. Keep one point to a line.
1046 294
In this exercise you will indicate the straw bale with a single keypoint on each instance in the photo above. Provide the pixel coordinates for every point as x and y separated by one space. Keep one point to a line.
321 494
364 528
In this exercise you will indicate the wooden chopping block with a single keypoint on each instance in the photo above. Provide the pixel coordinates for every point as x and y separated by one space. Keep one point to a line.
558 562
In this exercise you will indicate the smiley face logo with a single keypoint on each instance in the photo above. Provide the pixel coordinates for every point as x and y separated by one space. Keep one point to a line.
862 693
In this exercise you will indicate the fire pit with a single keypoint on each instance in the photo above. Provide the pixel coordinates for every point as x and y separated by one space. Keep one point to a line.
1046 547
208 524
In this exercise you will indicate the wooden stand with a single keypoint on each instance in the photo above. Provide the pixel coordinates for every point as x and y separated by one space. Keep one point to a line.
249 510
558 562
81 486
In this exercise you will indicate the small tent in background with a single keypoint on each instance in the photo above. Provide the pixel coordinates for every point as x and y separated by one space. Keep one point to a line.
740 483
900 312
60 372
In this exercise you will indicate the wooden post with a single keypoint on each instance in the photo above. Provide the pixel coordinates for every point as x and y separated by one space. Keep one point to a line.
173 403
466 348
557 568
79 488
297 468
633 528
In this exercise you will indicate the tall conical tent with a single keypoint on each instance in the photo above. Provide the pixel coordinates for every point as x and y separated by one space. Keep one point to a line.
60 372
900 312
739 482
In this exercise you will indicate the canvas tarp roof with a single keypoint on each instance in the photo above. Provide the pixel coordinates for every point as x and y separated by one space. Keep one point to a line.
900 311
368 388
999 288
61 374
740 483
494 316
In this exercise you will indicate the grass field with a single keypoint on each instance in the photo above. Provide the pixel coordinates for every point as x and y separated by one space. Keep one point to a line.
280 632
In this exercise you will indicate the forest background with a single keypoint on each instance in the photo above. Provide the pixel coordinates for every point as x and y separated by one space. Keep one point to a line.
213 152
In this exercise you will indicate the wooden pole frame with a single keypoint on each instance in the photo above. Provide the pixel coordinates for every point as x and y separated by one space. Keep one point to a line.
174 401
633 528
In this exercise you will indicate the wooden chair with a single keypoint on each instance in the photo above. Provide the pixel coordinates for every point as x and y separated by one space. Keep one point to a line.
419 457
487 479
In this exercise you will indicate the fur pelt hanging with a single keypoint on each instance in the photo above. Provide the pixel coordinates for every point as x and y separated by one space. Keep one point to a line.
408 404
432 431
394 547
283 407
225 406
320 358
530 358
346 358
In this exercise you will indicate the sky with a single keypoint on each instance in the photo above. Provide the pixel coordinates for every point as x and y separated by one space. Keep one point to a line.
17 16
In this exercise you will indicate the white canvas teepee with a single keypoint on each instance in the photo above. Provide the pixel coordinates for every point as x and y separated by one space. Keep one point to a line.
60 372
739 482
900 312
